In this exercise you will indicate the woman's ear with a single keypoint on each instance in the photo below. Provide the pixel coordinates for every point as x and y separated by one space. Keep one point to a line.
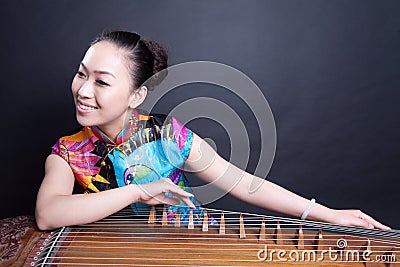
138 96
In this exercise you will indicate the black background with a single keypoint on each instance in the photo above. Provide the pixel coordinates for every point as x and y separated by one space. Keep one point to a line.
329 69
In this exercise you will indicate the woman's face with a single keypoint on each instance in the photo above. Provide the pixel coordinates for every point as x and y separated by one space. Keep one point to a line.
102 89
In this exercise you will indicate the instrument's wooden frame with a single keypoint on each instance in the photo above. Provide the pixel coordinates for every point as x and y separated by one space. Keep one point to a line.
238 239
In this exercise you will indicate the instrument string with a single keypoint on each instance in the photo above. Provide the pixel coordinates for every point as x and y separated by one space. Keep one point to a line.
204 246
145 231
130 259
120 245
167 253
73 260
120 264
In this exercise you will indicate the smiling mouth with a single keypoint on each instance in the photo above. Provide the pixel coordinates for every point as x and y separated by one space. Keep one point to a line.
84 107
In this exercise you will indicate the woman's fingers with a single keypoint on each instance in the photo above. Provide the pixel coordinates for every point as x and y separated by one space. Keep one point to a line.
188 202
173 200
360 222
180 193
164 199
358 218
367 221
176 189
372 222
165 191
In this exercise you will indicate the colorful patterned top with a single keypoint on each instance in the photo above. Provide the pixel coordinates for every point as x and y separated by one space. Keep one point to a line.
153 150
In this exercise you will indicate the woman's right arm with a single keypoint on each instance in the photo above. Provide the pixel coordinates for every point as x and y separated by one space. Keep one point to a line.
56 206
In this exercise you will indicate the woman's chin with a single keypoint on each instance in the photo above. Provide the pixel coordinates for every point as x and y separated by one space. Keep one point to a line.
84 121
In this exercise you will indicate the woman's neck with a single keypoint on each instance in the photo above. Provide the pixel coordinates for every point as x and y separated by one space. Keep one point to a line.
113 131
111 134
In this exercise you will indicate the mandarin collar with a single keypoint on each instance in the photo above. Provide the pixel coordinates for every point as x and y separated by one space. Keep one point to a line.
123 135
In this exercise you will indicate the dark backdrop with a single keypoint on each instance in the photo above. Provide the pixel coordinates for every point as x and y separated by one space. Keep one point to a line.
329 69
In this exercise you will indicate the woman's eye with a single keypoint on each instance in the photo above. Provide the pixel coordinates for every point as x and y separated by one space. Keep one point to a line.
102 83
81 74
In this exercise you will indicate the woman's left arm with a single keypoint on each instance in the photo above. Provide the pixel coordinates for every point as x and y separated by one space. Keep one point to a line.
212 168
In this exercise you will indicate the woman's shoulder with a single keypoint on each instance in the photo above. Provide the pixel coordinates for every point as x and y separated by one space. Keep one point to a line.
77 135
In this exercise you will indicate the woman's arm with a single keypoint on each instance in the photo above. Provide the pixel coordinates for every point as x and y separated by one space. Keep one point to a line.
209 166
56 206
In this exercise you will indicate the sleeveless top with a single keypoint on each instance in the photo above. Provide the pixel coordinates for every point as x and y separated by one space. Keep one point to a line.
155 149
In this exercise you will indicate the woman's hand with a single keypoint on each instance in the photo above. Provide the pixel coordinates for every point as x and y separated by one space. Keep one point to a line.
155 193
355 218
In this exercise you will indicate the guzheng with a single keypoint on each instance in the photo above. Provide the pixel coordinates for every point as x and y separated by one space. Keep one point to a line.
236 239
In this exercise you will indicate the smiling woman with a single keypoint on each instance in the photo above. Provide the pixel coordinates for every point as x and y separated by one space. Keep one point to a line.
127 157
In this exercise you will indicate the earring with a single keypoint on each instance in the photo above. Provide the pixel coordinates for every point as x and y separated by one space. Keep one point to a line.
133 121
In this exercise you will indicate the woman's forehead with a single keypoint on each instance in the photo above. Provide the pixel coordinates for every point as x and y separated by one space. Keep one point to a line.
104 56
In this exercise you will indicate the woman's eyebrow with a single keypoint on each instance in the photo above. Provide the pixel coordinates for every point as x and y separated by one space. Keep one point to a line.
98 71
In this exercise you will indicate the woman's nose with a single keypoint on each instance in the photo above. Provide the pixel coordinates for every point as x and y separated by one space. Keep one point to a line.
86 90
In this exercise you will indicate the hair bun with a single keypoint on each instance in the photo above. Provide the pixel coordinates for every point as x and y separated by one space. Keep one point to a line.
160 64
159 53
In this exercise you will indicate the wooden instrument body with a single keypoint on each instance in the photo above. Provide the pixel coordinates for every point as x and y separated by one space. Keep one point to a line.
17 237
125 239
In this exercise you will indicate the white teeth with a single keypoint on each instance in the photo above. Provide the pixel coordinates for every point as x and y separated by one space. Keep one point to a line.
84 107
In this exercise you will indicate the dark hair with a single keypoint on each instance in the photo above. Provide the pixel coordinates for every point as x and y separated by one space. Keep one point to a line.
146 58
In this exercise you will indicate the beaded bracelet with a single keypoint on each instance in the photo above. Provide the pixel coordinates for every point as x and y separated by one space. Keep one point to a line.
308 209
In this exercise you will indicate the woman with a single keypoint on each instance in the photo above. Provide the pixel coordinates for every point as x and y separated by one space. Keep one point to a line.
129 158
